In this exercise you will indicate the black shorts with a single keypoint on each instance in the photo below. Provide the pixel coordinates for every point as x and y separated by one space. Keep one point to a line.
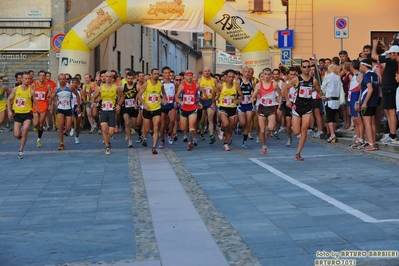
188 113
74 109
317 103
266 111
389 99
229 111
166 111
64 112
130 111
108 117
300 110
151 114
287 111
20 118
369 111
331 114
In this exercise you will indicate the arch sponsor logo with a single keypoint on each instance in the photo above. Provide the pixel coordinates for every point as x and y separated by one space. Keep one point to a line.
66 61
231 25
95 24
164 7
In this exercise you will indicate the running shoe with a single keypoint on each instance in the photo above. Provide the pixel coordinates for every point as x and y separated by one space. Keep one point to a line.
230 141
202 137
190 146
185 139
226 147
170 140
139 139
389 140
91 130
257 140
245 145
144 142
20 155
220 134
195 142
289 142
154 151
175 138
161 144
264 150
108 150
77 140
61 147
39 143
275 135
71 132
130 144
212 139
298 157
250 136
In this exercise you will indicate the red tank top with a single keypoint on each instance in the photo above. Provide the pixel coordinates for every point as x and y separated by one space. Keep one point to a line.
41 92
189 97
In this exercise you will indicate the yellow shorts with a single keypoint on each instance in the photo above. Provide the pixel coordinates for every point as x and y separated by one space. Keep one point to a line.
3 105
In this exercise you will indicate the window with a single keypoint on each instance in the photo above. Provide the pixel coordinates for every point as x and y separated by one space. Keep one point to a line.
132 62
119 61
230 49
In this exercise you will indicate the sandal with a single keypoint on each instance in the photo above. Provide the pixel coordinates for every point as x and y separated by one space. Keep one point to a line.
332 139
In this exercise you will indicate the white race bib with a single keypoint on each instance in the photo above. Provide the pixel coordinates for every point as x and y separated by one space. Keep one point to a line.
188 99
247 99
40 96
20 102
129 103
305 92
171 98
153 98
64 103
107 106
228 100
208 91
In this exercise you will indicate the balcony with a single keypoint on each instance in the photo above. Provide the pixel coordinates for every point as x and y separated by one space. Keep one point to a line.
259 6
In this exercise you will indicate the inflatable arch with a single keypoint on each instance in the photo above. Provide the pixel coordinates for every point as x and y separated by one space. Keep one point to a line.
110 15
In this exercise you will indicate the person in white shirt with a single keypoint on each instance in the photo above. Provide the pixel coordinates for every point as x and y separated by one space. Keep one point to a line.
331 88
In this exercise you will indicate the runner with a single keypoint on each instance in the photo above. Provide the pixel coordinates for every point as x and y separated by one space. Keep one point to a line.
63 96
187 97
3 104
42 94
111 97
168 115
151 94
25 98
229 92
75 115
51 111
268 92
89 88
207 86
291 98
129 107
245 109
302 107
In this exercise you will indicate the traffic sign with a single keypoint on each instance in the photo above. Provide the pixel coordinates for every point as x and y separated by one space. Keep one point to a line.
341 27
286 57
56 42
286 39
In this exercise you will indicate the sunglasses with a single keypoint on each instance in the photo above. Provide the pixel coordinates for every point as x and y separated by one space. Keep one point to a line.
178 79
305 66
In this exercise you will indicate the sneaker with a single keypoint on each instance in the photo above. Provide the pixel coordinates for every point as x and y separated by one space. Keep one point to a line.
77 140
91 130
317 135
185 139
226 147
144 143
190 146
20 155
245 145
310 131
151 132
108 150
230 141
39 143
175 138
116 129
289 142
275 135
298 157
281 130
154 151
161 144
257 140
132 131
8 128
268 135
299 136
195 142
111 137
139 139
237 131
389 140
54 129
202 137
99 132
126 137
61 147
45 128
130 144
35 129
212 139
264 150
220 134
250 136
170 140
71 132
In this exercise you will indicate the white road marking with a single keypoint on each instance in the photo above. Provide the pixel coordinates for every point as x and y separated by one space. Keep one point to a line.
310 156
361 215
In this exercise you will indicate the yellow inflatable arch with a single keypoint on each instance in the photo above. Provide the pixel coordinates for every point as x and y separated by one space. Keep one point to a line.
110 15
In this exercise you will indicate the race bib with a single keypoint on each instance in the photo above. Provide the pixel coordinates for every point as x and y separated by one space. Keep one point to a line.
129 103
75 101
208 91
266 101
247 99
153 98
170 98
107 106
228 100
40 96
188 99
64 103
305 92
20 102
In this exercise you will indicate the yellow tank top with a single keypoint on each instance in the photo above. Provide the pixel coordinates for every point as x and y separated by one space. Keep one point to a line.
208 85
88 90
108 98
22 101
228 96
152 95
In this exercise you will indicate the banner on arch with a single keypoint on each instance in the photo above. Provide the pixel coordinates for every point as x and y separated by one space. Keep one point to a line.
225 58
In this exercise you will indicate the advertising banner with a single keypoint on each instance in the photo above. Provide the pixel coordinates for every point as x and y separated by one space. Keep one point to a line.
225 58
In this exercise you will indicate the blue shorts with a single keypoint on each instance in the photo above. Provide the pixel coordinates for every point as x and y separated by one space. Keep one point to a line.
74 109
352 108
206 104
243 108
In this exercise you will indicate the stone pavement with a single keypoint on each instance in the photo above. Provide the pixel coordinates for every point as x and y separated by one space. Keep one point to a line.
205 207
